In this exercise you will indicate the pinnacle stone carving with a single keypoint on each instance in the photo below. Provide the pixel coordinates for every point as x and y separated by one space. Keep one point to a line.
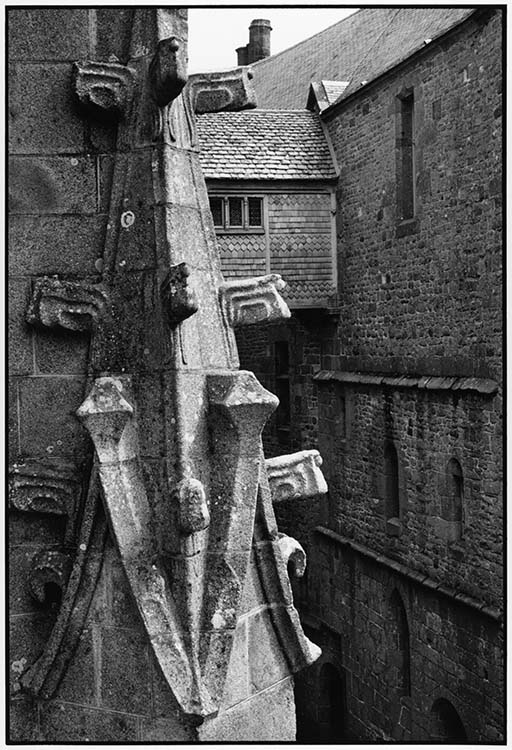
104 88
186 541
70 305
256 300
297 475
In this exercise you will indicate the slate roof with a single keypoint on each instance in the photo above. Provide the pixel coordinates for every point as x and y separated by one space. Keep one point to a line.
262 144
358 48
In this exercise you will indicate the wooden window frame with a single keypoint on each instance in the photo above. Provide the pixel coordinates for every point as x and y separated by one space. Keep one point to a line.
245 228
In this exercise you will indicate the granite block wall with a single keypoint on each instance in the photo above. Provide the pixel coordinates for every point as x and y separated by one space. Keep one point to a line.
419 298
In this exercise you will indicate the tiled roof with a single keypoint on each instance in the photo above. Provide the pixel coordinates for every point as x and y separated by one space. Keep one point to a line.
333 89
261 144
357 48
408 31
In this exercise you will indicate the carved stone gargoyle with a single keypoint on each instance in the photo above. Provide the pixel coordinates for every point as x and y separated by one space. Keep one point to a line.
186 546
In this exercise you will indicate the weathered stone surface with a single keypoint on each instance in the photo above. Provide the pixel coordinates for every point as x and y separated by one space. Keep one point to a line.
122 690
23 720
66 722
156 368
13 420
49 426
21 357
43 88
56 353
270 667
67 245
52 185
250 301
44 676
293 555
44 486
297 475
193 513
103 89
178 296
261 722
168 70
37 34
227 91
237 679
74 306
48 567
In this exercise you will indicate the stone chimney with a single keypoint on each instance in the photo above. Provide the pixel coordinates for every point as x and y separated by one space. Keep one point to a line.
259 42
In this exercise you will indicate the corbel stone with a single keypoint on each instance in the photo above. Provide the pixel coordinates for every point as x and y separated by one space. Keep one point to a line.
45 486
168 71
226 91
71 305
104 88
178 298
256 300
293 554
46 567
297 475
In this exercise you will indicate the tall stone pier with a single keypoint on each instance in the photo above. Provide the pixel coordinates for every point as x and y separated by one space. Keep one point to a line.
150 597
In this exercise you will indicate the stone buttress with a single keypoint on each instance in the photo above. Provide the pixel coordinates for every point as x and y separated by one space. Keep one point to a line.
189 508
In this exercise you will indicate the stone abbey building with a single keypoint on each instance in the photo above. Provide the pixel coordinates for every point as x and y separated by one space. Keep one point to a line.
385 220
151 544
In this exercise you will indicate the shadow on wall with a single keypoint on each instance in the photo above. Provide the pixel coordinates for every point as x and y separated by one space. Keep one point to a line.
326 720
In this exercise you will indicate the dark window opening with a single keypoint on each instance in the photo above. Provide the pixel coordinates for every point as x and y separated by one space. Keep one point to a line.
391 481
216 207
399 646
331 705
446 724
235 212
452 500
406 158
255 219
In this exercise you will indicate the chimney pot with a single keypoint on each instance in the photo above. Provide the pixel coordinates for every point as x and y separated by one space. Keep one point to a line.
242 55
259 40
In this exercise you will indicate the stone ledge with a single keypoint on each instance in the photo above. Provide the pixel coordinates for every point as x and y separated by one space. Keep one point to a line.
413 575
485 386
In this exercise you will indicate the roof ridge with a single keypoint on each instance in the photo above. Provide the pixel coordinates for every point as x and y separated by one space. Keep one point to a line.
297 44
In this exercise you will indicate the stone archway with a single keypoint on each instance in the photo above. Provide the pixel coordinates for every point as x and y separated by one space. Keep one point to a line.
446 724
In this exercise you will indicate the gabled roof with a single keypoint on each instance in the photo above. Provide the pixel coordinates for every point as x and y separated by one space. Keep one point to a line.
264 145
324 93
358 48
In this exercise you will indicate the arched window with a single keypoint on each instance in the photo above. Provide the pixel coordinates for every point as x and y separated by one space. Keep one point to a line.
452 499
446 724
331 709
391 482
399 646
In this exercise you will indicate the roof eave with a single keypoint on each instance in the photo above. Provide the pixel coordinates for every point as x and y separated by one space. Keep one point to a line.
416 53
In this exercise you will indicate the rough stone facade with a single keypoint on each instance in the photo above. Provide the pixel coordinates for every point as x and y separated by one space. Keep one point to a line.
97 306
407 602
